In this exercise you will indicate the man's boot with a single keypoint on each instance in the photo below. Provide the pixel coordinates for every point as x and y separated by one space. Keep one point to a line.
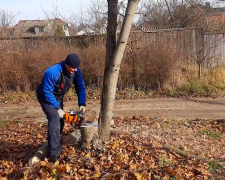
53 158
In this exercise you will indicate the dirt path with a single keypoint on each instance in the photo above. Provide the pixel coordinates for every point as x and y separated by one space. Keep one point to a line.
167 107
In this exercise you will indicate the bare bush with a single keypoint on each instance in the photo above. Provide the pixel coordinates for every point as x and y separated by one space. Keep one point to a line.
150 67
157 64
22 67
93 59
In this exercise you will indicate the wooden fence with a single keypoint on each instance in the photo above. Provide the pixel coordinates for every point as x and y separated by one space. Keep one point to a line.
193 44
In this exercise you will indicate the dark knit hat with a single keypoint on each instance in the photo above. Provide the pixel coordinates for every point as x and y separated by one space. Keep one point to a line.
73 60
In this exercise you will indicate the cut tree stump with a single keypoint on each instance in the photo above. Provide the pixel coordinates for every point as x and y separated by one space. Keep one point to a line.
87 133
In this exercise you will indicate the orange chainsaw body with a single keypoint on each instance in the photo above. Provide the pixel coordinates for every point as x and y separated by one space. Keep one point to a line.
73 118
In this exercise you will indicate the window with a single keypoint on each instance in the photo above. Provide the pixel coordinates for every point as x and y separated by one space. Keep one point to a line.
41 29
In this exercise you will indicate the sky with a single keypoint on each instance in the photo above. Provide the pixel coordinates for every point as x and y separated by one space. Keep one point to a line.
34 9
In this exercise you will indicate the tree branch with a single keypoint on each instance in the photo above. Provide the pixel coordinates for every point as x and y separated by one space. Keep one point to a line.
186 154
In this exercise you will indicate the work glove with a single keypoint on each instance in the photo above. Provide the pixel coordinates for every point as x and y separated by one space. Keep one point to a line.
61 113
82 109
34 161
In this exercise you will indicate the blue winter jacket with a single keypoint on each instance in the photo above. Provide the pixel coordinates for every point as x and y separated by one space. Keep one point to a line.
56 82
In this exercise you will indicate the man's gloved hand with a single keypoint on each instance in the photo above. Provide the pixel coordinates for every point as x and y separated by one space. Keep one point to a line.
82 109
61 113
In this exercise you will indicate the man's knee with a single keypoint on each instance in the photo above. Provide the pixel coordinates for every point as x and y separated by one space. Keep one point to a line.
53 117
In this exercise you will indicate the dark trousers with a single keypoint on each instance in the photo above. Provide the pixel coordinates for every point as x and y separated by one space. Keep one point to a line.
55 126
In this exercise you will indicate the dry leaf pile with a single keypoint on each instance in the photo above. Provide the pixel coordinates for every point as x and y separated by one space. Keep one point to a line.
135 151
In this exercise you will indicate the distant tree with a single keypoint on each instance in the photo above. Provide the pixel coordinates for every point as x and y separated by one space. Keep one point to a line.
7 18
97 15
59 31
178 13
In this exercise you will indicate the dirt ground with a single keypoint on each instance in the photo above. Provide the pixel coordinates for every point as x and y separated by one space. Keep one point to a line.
183 108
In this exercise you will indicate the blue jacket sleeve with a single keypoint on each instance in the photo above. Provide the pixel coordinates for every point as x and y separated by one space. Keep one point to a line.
49 80
80 88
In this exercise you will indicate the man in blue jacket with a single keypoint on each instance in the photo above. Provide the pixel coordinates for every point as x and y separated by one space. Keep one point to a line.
56 82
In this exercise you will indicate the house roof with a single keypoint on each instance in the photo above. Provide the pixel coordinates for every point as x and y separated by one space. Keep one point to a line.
32 23
37 23
23 25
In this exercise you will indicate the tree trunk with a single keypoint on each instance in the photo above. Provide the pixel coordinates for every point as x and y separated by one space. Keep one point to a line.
113 61
110 48
111 32
199 71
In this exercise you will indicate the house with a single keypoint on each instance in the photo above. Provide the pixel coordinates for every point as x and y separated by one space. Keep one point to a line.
37 28
91 30
86 31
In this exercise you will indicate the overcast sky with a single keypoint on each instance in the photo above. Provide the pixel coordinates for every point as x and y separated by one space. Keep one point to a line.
33 9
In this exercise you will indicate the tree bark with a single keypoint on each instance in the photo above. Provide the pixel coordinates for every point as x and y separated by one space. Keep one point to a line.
111 31
113 61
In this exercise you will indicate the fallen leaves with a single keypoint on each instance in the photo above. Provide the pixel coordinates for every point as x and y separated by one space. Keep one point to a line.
135 151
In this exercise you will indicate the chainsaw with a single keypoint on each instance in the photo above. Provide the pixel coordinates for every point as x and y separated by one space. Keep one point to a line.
74 118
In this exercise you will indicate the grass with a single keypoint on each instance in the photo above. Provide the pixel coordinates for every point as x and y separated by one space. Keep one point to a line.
215 167
200 89
176 121
3 123
17 96
212 134
94 93
161 161
196 89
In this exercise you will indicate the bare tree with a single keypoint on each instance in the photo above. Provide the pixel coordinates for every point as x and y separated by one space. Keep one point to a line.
114 55
54 13
205 46
97 16
78 19
180 13
154 13
7 18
